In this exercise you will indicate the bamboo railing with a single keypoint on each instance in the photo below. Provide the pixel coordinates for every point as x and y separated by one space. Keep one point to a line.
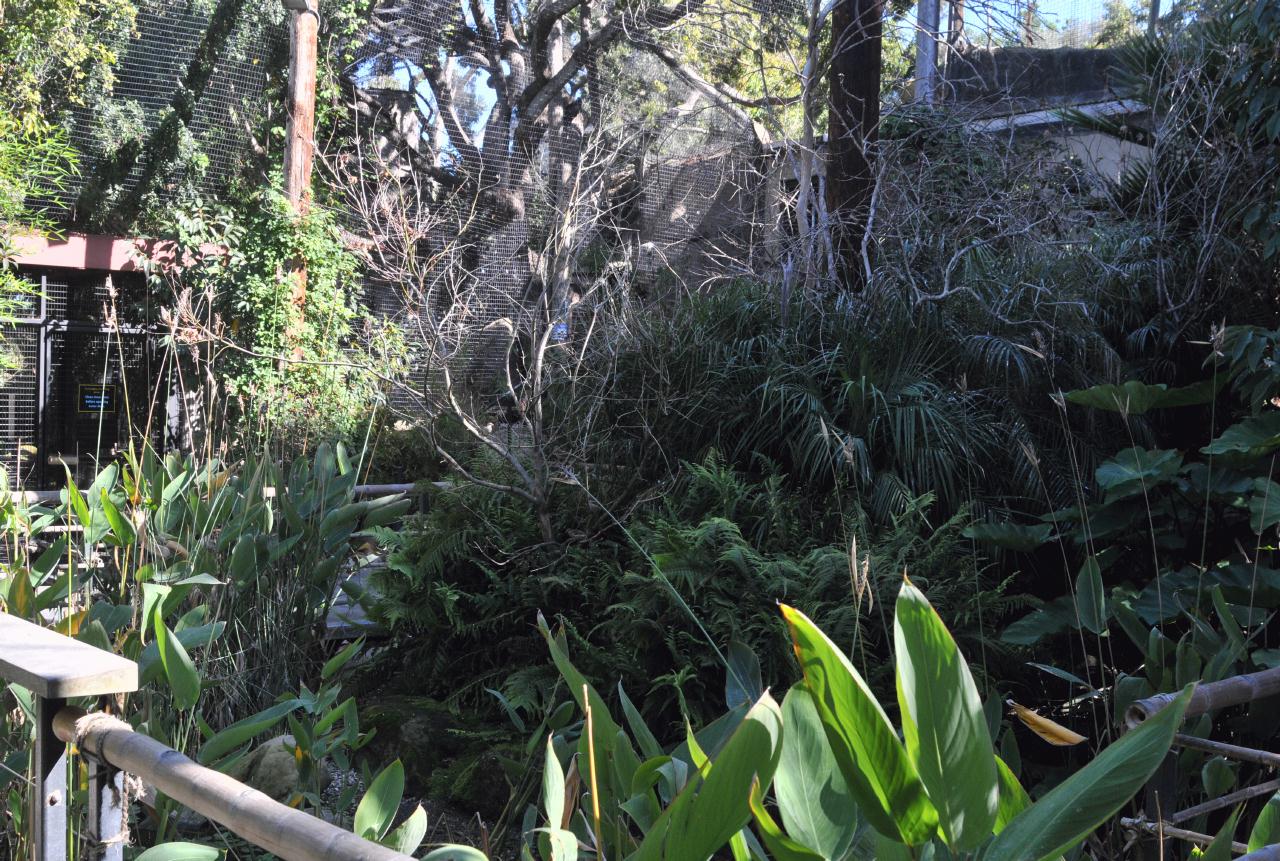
1164 824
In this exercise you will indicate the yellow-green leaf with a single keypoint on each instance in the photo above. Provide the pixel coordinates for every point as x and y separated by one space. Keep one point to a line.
942 722
870 755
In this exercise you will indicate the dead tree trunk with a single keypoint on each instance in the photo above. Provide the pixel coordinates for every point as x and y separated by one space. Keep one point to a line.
853 119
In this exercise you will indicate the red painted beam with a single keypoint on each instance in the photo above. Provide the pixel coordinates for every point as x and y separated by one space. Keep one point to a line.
94 251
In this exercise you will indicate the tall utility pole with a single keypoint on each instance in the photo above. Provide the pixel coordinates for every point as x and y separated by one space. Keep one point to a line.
853 119
300 132
928 15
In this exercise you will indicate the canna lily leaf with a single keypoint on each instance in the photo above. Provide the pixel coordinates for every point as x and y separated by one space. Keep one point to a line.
1266 830
780 846
122 531
1013 798
1220 848
943 723
455 852
1054 733
181 852
378 808
184 681
407 836
713 807
881 775
813 796
1070 811
243 730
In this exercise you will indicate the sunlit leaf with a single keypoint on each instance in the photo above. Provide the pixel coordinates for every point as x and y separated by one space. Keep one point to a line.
378 808
943 723
873 759
180 852
1266 830
184 681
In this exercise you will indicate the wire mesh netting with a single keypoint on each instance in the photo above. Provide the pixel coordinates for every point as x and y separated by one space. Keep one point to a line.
504 160
159 67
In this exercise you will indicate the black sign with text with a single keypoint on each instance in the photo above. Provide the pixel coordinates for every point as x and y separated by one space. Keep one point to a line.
97 399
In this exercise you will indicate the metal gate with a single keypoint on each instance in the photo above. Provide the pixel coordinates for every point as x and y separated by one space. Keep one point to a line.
85 386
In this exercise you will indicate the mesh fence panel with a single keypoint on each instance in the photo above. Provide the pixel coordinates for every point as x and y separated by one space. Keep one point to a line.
148 77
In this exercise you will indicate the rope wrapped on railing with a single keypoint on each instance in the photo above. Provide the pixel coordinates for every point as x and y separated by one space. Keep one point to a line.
285 832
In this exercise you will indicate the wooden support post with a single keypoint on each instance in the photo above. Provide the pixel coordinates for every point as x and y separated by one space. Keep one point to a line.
955 34
299 153
928 13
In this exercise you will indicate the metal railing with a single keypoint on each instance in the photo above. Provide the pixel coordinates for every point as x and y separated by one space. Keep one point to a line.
56 668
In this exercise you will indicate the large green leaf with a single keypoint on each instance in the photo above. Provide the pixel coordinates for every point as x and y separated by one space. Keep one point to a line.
813 797
1137 470
742 685
407 836
781 847
872 758
606 729
378 808
1070 811
1135 398
149 665
184 681
1220 848
1054 617
942 722
122 531
1013 798
1017 537
552 787
714 807
455 852
1253 437
1090 598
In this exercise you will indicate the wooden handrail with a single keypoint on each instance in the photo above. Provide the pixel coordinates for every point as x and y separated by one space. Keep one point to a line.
281 830
54 668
